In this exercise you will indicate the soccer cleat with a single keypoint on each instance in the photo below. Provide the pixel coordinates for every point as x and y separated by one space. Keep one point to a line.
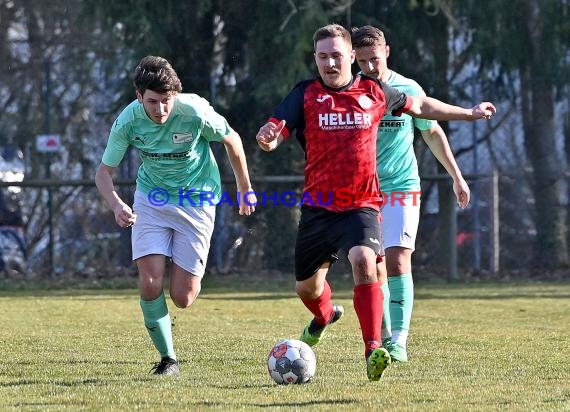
167 366
376 363
313 332
386 343
398 352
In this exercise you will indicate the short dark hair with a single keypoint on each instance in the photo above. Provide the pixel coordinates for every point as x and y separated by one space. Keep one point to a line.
367 36
331 31
156 74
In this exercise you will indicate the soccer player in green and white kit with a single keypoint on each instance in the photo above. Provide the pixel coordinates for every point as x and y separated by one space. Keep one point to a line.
178 185
399 180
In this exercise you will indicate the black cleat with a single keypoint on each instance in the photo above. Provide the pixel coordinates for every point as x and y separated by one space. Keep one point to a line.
167 366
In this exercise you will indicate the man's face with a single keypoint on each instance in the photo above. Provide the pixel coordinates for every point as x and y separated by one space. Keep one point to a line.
334 58
157 105
373 60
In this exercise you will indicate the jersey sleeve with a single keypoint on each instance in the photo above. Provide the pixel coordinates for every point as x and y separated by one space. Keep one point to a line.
291 110
396 101
117 144
421 124
215 127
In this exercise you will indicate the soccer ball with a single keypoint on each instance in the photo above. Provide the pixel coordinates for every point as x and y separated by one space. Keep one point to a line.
291 361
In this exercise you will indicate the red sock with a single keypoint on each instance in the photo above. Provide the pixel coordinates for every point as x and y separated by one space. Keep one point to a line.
369 309
322 306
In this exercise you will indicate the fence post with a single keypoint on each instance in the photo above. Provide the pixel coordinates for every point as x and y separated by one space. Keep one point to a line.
452 241
51 246
494 218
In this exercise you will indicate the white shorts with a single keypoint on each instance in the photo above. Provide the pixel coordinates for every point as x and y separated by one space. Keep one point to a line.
400 220
180 232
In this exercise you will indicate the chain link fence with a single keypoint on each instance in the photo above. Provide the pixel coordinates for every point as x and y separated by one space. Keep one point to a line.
77 235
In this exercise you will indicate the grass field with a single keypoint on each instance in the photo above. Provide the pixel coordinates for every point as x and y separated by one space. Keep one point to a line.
472 348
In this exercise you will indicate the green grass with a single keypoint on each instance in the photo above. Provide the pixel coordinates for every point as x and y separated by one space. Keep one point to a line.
472 348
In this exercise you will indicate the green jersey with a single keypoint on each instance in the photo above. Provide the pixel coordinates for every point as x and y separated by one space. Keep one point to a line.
395 157
176 156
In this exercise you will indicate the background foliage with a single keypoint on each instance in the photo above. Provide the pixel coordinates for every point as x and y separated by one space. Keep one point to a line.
66 67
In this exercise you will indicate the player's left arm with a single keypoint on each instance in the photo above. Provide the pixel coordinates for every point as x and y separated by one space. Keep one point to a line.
438 143
236 155
430 108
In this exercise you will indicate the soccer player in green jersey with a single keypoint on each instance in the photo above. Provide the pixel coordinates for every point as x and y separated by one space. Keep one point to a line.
178 185
400 182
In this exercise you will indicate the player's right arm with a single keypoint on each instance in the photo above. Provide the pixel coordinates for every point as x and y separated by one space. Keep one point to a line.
117 146
269 135
290 113
124 216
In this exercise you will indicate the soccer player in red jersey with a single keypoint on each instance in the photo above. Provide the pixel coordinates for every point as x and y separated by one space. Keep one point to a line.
336 118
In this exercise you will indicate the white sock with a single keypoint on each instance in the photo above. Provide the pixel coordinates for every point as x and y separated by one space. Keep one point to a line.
400 337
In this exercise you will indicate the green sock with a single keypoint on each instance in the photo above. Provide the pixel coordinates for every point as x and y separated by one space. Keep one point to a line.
157 322
401 305
386 322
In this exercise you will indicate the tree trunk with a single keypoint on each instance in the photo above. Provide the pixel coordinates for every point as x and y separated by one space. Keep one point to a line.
567 149
551 249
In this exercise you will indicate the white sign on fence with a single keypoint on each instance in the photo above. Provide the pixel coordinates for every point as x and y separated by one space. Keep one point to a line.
48 143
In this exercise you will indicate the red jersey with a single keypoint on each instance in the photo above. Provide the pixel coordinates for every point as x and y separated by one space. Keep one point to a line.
338 129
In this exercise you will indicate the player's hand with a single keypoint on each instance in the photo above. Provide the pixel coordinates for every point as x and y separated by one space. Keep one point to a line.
462 193
124 216
248 203
483 111
268 133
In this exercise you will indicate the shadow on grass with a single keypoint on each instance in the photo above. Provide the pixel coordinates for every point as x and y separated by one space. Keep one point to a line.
27 382
302 404
293 404
75 362
265 286
233 296
498 296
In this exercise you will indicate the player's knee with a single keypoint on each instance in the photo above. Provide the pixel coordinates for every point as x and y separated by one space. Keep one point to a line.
150 286
364 270
184 300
